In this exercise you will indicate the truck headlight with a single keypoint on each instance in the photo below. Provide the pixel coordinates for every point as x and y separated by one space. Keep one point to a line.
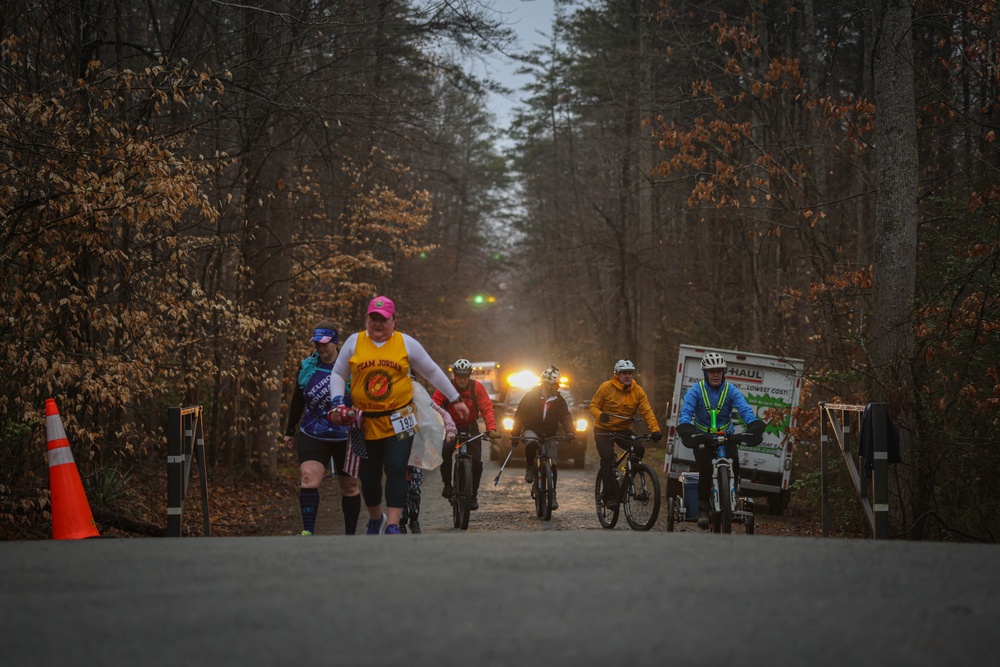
581 424
508 423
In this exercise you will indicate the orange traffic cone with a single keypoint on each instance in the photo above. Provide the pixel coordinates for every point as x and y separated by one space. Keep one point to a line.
71 517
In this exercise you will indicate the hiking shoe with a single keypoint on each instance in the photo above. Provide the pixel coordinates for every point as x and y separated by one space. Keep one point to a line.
448 491
474 505
415 527
377 526
393 529
306 533
611 503
529 475
703 520
555 503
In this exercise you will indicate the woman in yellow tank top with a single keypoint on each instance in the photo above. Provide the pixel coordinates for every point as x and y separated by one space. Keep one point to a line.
378 362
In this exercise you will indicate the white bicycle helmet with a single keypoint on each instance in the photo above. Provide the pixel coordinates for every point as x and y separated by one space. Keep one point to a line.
551 374
624 365
713 360
462 367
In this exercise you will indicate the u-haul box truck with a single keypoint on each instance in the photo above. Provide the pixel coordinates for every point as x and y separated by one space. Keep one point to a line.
768 383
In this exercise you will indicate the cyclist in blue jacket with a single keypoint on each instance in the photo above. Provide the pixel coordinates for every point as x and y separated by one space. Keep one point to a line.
708 408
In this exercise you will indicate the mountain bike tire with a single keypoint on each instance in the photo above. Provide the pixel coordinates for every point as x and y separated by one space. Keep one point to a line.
546 489
537 496
463 491
608 518
725 500
642 497
455 496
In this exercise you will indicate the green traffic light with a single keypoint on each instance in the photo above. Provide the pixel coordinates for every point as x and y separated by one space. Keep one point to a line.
478 299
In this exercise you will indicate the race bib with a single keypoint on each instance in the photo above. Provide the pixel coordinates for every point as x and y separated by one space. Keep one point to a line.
404 422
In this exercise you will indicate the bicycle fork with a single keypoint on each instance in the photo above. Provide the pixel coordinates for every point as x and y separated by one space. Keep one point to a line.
716 491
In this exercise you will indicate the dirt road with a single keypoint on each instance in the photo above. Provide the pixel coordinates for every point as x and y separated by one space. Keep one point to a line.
506 507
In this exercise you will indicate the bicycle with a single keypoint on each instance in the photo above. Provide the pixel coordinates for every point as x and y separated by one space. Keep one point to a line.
638 487
461 500
543 488
726 505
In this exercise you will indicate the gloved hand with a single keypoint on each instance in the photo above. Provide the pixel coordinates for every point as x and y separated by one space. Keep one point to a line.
604 418
687 433
656 436
341 415
756 429
493 435
570 437
450 440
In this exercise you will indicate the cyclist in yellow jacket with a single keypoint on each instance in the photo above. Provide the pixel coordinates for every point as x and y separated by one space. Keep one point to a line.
613 407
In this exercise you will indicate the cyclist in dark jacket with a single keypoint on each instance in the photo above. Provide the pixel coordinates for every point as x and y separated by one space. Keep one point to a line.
538 416
707 408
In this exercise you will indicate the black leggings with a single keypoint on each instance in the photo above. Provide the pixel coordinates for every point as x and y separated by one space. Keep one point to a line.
392 456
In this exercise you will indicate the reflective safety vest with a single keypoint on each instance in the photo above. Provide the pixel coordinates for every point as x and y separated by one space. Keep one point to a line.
712 412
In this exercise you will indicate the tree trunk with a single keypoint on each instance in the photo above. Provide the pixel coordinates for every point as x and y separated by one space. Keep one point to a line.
891 338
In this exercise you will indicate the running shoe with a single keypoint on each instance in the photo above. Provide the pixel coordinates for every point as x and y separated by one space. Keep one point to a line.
377 526
306 533
393 529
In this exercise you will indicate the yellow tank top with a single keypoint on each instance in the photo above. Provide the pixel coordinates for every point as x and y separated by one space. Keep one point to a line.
380 381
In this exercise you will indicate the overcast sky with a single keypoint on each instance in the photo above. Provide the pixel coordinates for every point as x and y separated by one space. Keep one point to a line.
527 18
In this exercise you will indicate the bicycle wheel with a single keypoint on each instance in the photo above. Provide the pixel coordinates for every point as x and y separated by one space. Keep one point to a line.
545 490
642 497
463 490
537 496
607 517
670 515
725 500
456 497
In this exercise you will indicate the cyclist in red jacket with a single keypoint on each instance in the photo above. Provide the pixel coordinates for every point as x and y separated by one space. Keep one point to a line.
474 395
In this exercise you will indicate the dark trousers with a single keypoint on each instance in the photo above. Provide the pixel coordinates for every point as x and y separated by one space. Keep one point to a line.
606 451
704 458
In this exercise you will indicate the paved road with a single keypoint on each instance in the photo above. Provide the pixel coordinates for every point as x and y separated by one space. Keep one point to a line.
553 598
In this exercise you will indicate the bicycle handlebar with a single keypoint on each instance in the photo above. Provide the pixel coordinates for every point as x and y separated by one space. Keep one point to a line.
514 439
633 419
459 442
704 440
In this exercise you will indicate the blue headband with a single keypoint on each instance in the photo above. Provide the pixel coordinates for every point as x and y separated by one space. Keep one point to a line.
324 336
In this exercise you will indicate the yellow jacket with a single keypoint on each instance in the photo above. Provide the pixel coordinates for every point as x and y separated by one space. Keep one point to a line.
615 398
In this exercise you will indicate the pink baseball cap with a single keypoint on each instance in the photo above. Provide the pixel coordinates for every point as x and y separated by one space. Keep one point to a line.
382 305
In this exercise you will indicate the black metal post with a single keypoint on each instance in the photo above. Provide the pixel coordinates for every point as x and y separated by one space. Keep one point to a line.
824 501
175 472
880 478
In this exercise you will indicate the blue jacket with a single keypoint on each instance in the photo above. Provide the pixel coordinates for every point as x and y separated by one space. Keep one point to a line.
694 411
